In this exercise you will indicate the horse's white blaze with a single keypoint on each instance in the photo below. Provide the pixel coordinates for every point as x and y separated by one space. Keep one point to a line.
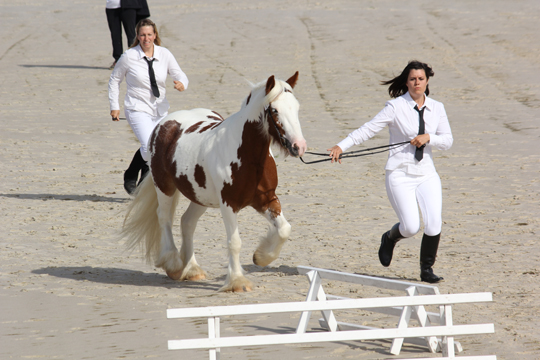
288 107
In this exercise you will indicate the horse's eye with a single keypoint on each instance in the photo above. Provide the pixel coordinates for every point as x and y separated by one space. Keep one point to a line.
274 111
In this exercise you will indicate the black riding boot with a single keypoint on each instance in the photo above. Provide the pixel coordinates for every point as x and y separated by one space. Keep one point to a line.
132 173
388 241
428 253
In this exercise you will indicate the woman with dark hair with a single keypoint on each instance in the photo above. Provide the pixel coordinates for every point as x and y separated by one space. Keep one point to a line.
411 178
145 67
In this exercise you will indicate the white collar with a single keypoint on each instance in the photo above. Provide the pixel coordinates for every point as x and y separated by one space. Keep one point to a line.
427 101
141 54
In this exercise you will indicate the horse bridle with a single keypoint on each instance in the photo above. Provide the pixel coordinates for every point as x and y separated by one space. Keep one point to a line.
269 111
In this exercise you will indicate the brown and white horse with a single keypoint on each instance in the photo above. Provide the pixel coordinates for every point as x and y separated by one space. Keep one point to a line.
216 163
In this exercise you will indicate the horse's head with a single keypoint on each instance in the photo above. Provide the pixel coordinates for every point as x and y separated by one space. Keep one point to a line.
281 114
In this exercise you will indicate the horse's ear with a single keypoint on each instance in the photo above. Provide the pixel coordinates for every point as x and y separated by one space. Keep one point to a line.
270 83
293 79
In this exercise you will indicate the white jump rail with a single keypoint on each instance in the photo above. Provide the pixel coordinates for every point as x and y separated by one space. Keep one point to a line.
445 344
215 342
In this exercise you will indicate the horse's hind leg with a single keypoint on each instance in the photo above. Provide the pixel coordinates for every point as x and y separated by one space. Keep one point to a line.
168 257
235 281
279 231
192 270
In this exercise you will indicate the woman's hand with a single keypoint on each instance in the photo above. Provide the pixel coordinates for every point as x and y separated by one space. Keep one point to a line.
115 114
335 152
420 140
179 86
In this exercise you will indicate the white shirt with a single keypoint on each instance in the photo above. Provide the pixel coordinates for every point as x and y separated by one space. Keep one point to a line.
112 4
403 122
134 68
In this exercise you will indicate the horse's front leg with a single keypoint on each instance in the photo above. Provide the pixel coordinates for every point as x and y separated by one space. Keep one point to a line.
279 231
192 270
235 281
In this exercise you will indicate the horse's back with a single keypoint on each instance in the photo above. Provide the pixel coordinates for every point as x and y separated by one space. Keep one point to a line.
176 126
188 118
177 154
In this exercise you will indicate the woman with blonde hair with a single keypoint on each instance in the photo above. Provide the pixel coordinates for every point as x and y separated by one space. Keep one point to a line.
145 67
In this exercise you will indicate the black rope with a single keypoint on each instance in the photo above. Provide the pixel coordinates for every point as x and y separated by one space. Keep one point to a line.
350 153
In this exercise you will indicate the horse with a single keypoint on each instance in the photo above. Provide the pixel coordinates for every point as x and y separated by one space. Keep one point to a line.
218 163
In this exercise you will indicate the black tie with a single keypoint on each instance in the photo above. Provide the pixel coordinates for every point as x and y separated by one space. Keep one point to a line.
153 83
419 154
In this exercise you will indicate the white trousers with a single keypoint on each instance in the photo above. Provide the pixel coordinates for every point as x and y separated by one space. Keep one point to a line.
142 125
408 192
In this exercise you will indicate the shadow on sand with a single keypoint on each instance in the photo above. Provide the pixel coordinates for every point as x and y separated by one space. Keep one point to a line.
116 276
46 197
76 67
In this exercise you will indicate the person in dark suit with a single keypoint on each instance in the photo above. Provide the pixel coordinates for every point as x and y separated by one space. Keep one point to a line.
127 13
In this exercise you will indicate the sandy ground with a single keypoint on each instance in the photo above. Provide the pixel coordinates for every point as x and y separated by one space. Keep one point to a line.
68 290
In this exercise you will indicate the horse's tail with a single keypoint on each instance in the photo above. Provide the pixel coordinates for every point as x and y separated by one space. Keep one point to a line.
141 225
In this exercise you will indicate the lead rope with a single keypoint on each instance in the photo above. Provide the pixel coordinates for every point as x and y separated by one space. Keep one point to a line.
350 153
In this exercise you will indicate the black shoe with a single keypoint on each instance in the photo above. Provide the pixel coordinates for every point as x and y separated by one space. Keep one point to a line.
428 254
386 250
130 186
132 173
388 242
428 276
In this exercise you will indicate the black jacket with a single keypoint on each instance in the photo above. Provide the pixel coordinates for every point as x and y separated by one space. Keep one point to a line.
141 5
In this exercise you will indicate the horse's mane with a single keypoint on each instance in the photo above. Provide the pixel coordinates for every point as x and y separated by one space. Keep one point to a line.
258 89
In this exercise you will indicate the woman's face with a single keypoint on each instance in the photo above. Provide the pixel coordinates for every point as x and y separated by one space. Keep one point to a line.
146 37
417 82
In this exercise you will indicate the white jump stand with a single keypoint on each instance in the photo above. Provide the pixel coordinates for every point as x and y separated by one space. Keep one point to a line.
445 344
402 306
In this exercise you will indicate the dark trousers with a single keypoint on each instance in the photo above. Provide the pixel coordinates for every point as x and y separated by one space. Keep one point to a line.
115 19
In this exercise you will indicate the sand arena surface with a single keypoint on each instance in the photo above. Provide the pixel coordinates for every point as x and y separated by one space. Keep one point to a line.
69 291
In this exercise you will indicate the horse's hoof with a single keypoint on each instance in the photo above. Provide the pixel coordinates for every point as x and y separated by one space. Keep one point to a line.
174 275
196 277
261 260
239 285
237 289
242 288
193 272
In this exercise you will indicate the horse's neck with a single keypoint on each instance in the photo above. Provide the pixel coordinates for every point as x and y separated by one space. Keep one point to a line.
246 127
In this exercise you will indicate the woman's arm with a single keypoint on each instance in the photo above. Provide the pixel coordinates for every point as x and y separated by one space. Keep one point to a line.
179 77
115 79
369 129
442 139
